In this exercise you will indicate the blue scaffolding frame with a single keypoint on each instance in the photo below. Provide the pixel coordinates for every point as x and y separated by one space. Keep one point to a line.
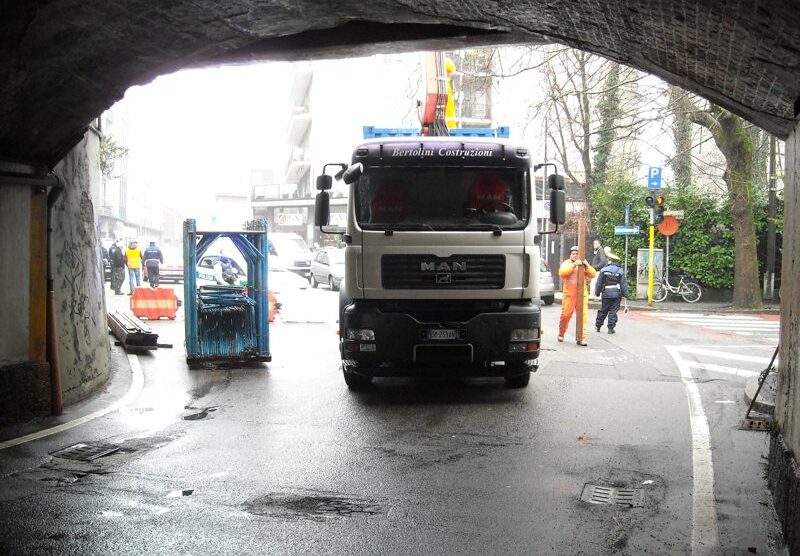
227 324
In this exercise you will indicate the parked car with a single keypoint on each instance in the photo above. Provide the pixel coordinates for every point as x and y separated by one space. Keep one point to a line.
328 268
208 272
170 273
291 252
282 281
547 289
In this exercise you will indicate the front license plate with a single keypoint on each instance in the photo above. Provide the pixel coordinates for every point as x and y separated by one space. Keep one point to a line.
443 334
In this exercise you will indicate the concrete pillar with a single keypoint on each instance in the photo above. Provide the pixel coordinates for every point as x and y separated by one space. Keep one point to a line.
84 347
783 475
24 373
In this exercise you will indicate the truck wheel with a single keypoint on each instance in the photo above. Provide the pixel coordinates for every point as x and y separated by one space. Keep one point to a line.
519 374
549 299
356 382
518 381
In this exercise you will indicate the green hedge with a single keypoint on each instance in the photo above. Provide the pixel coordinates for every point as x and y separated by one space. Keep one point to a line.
703 248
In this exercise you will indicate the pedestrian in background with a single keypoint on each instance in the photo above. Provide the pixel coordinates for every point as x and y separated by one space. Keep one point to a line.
152 260
133 258
568 271
611 287
116 261
599 260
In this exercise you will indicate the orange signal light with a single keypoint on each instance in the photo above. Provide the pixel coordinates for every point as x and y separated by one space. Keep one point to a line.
660 200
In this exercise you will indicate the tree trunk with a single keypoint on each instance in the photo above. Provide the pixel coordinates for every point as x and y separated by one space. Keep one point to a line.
735 145
733 142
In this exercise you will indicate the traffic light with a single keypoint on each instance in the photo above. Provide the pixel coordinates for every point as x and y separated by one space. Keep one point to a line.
658 209
649 200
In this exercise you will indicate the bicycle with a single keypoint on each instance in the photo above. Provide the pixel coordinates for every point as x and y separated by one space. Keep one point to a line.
689 291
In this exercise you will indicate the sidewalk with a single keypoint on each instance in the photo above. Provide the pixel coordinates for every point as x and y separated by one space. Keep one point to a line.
680 306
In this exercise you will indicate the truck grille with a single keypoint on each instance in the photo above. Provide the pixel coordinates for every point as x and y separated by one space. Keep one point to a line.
459 272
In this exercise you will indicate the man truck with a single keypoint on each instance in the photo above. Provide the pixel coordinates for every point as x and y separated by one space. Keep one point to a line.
441 258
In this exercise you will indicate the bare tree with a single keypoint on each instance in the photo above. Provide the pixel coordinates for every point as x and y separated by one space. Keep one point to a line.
731 138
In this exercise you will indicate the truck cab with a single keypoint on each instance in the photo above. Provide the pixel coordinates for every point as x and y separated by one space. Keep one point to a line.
441 260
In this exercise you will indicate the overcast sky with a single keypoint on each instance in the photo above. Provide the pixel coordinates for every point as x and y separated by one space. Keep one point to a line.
196 132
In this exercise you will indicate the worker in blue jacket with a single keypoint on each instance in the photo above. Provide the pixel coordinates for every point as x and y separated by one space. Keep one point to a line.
611 287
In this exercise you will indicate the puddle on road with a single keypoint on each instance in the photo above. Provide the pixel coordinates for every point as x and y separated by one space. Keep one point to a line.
197 413
314 507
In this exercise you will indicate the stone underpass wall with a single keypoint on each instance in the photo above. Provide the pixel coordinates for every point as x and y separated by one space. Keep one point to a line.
784 478
84 347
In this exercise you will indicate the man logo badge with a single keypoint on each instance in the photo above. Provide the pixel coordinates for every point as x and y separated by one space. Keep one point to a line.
444 278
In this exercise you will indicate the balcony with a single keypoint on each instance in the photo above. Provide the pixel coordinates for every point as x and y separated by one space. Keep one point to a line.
296 170
274 192
298 126
300 86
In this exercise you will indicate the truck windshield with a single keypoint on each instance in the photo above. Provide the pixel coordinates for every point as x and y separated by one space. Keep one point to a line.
442 198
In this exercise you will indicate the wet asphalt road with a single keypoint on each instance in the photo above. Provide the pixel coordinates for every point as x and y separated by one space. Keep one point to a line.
283 459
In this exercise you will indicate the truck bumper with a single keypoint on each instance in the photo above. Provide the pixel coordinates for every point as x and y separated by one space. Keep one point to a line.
459 341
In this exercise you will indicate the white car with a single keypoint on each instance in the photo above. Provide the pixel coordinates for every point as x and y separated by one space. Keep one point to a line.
547 289
328 268
291 252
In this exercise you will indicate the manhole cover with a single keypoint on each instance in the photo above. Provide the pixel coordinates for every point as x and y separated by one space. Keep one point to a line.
598 494
85 452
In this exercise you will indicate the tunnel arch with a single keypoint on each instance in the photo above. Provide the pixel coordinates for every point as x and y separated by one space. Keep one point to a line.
64 62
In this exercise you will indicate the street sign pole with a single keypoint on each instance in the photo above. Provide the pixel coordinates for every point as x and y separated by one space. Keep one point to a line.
666 263
626 257
650 265
627 223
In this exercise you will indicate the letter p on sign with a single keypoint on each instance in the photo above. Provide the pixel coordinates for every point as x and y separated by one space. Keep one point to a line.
654 178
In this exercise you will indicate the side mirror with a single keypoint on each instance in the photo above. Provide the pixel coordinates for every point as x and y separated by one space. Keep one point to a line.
353 173
324 182
555 182
322 206
558 206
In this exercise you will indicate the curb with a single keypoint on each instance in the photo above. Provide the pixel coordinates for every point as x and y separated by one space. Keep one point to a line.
765 403
699 307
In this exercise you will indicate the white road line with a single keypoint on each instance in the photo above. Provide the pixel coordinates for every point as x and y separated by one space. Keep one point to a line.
705 535
732 323
137 382
723 355
707 315
722 369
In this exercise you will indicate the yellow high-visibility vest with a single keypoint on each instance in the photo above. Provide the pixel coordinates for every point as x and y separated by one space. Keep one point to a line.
134 257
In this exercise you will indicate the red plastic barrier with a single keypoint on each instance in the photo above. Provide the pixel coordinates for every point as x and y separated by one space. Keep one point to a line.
274 306
155 303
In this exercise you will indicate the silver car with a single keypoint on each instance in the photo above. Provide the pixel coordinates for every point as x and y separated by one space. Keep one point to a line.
547 289
327 267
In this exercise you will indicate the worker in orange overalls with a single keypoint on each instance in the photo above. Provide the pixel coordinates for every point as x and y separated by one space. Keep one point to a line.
450 106
568 271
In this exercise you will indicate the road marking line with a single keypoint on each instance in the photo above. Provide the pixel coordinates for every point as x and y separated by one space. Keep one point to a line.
722 369
705 535
723 355
709 315
137 382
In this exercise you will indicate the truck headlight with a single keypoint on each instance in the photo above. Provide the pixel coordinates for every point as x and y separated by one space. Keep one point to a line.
361 334
522 334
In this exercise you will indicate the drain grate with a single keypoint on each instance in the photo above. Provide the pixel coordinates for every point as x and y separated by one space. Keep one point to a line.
598 494
756 425
85 452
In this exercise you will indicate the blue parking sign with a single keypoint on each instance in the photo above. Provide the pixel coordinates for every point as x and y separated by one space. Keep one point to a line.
654 177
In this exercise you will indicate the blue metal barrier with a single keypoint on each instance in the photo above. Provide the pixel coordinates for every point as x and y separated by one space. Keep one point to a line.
227 324
372 132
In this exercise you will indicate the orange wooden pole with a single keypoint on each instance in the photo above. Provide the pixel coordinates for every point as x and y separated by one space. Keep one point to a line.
579 332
